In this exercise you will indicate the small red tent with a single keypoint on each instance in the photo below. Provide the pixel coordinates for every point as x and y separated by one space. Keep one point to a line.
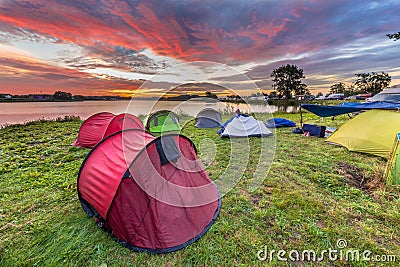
103 124
151 193
123 121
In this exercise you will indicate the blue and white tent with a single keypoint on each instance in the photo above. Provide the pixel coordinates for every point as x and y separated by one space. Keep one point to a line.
208 118
241 125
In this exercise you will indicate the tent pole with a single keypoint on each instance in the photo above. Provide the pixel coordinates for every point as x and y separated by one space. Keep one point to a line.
301 117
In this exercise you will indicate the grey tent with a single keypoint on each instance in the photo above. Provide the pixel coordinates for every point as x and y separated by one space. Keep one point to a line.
208 118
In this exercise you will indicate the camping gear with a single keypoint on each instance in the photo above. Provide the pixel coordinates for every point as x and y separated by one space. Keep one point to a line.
162 121
208 118
329 131
241 125
103 124
151 194
369 132
123 121
348 107
392 171
297 130
279 122
391 94
314 130
93 129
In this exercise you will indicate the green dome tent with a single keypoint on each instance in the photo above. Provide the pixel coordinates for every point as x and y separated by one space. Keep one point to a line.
370 132
162 121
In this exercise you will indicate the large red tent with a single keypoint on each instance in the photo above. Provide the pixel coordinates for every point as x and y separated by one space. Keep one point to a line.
151 193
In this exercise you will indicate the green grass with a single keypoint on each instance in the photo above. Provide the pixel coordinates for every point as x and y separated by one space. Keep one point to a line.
310 198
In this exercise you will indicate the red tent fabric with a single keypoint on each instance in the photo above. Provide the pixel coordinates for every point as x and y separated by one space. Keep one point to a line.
123 121
93 129
151 193
103 124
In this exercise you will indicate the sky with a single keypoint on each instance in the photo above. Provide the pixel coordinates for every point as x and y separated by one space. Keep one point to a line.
144 47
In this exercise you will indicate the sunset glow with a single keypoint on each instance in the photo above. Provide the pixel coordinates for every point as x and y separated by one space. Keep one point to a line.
110 47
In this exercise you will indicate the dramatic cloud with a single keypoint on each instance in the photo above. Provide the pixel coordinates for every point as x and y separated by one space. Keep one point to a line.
330 40
20 75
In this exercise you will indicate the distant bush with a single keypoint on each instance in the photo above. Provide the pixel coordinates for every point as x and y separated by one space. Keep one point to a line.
68 118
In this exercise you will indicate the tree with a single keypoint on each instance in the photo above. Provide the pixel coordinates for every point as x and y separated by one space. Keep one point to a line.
287 80
78 97
338 88
319 94
302 90
210 95
59 95
372 82
341 88
395 36
273 94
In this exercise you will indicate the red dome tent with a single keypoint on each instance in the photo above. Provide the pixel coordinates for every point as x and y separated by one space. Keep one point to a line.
150 193
123 121
103 124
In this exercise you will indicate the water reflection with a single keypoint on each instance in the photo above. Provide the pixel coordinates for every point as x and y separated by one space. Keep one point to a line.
11 113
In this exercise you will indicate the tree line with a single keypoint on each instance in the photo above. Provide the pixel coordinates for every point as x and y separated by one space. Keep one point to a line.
365 83
287 81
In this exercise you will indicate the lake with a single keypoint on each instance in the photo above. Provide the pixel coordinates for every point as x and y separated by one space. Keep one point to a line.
21 112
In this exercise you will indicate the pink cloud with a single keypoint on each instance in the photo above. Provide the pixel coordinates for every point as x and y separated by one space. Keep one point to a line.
24 74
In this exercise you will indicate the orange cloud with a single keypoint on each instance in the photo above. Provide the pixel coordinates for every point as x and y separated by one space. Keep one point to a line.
25 74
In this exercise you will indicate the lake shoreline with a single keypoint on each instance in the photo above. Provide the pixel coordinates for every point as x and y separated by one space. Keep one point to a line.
21 112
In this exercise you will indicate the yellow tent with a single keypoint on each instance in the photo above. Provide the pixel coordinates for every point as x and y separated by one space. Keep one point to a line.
392 172
370 132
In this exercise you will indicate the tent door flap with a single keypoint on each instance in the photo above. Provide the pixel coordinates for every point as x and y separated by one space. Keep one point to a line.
167 149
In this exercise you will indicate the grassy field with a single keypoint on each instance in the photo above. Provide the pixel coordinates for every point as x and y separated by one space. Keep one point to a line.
313 195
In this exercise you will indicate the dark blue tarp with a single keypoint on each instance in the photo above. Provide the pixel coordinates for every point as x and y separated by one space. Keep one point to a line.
347 107
279 122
